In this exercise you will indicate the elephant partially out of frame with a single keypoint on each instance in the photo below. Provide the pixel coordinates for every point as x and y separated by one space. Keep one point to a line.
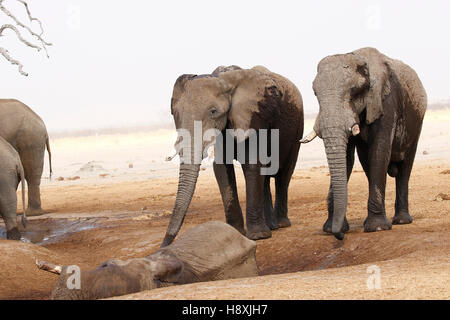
239 100
11 174
26 132
376 104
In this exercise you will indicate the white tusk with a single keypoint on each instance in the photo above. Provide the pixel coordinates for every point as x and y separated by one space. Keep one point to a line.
355 130
208 161
169 158
211 153
310 137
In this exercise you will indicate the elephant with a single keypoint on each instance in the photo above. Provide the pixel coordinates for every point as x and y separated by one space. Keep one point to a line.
11 174
238 100
375 104
228 255
26 132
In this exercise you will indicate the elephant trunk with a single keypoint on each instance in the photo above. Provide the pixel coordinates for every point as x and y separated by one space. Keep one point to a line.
186 187
333 124
335 142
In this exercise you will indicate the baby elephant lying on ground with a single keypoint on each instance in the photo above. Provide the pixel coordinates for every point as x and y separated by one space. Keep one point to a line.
208 252
11 173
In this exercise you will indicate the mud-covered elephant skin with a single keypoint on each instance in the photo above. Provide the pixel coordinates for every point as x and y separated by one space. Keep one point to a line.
11 174
375 104
208 252
26 132
235 99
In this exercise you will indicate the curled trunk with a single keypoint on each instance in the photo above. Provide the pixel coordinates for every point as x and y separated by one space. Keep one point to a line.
186 187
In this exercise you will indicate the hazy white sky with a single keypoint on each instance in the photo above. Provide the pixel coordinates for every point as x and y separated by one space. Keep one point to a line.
114 63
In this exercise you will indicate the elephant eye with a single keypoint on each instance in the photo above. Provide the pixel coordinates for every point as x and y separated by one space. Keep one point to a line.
213 112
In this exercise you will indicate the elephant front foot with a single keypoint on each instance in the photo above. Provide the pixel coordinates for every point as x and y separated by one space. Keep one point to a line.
271 220
284 222
377 223
32 212
402 217
258 233
13 234
272 225
328 224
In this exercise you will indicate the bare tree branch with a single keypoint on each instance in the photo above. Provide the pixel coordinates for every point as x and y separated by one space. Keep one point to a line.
44 43
4 53
32 18
47 266
19 36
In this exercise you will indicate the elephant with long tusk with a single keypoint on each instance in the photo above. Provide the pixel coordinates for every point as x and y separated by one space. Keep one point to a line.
374 104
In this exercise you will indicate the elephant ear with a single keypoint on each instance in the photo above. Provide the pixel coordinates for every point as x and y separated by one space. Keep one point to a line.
221 69
379 83
255 99
167 267
179 87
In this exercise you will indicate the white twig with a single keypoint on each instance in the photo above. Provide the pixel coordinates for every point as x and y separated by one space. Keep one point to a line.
44 43
32 18
47 266
4 53
19 36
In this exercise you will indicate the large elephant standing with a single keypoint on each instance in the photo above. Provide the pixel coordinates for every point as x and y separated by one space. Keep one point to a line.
26 132
11 174
377 105
235 98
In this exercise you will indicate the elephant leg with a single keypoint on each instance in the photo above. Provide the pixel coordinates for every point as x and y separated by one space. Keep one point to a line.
34 197
378 158
402 215
350 162
256 224
8 209
33 165
363 156
226 180
281 200
269 213
282 181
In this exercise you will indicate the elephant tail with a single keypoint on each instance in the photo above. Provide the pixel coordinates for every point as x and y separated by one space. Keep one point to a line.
47 143
22 179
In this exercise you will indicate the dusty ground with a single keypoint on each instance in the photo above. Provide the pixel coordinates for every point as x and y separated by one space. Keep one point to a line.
93 219
414 259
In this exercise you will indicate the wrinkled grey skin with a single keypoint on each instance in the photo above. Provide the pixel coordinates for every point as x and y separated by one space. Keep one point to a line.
27 133
208 252
11 174
235 98
387 100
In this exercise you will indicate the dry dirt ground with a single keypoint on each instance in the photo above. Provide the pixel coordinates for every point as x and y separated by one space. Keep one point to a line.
90 223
